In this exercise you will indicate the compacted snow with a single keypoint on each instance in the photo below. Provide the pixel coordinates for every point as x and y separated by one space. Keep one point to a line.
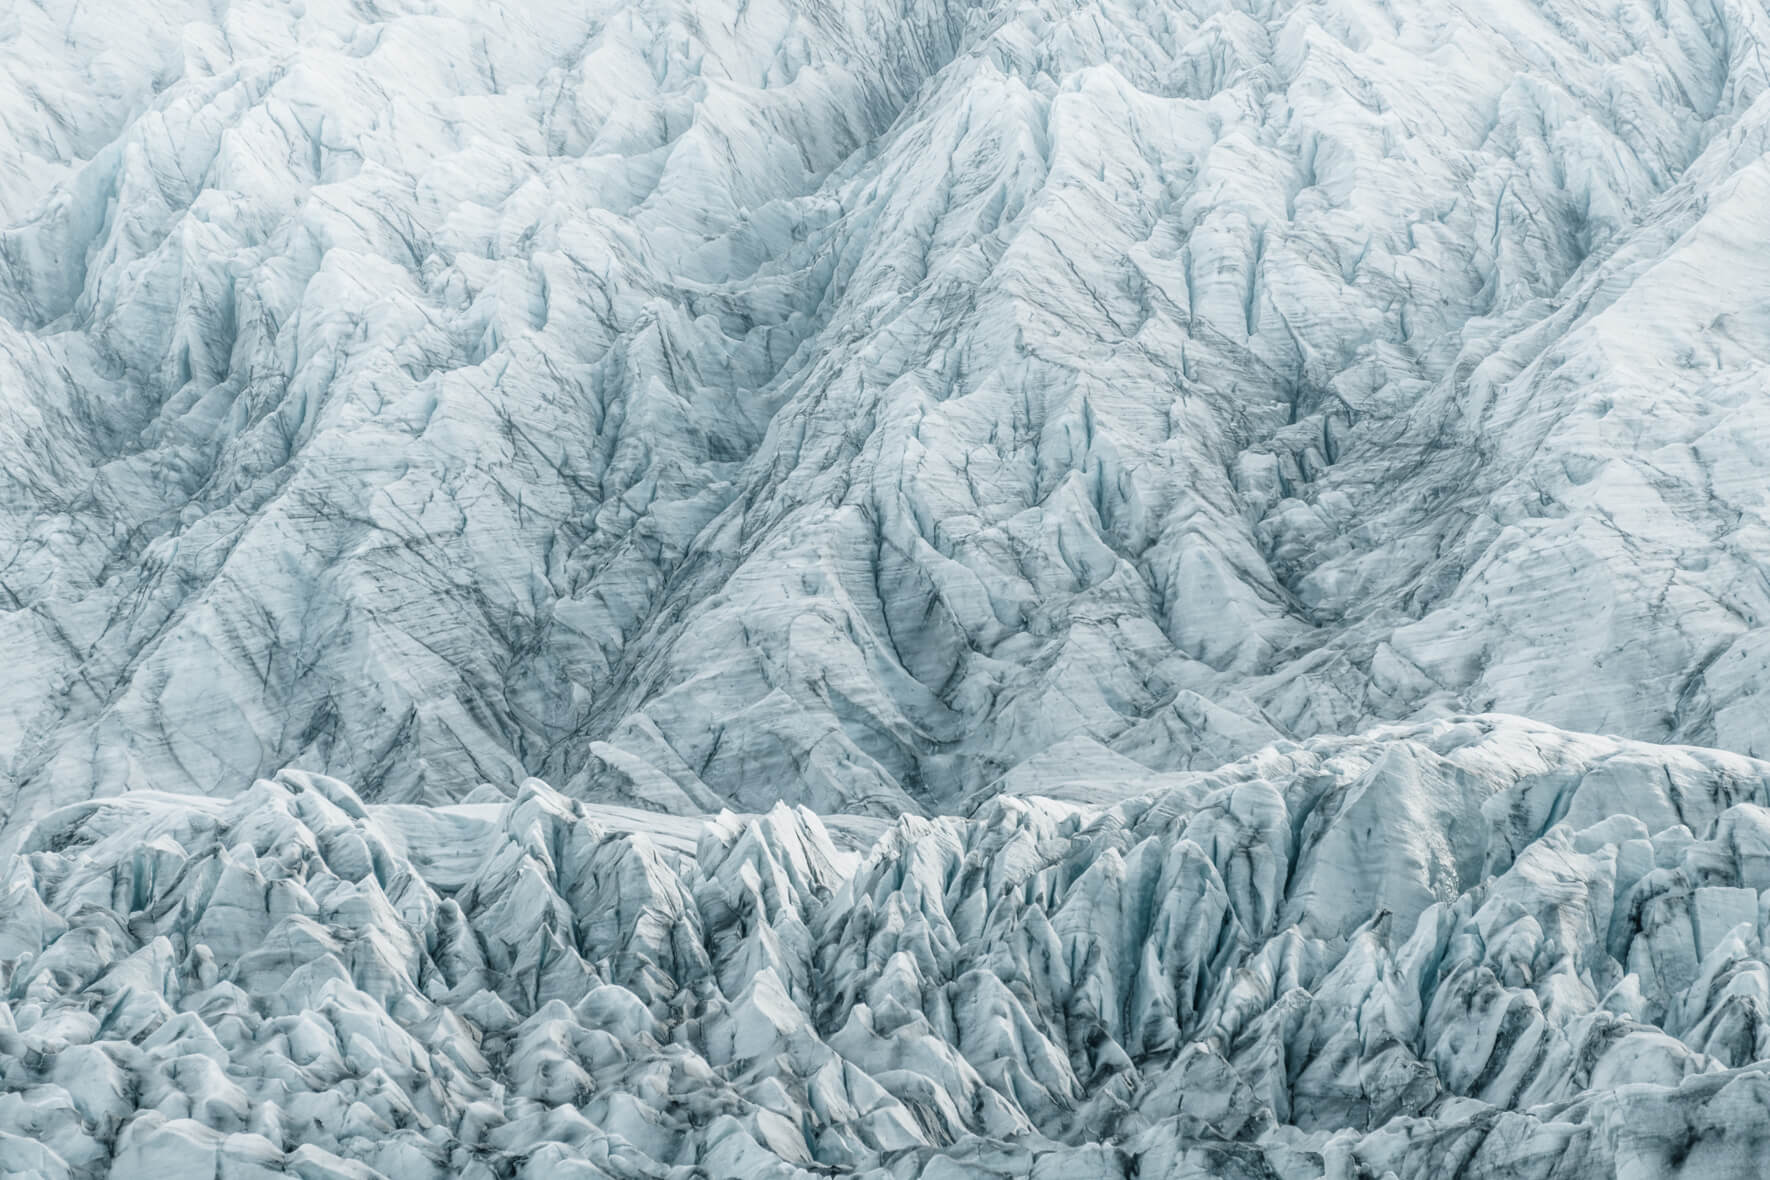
1022 535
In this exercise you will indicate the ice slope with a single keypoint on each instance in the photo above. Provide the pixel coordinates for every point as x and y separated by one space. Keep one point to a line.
1479 944
847 403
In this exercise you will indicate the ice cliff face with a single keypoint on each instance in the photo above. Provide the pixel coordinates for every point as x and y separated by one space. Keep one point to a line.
1439 947
847 403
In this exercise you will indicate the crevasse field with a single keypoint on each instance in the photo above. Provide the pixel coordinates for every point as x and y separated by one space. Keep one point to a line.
701 590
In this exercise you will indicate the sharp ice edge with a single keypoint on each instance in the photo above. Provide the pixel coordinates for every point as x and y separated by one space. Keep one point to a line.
845 404
1481 943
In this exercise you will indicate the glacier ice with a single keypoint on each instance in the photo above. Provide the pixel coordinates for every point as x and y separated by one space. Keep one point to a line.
846 403
1480 944
1024 535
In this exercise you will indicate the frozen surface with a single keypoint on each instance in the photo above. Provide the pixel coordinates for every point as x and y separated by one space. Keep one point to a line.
705 405
1478 944
983 426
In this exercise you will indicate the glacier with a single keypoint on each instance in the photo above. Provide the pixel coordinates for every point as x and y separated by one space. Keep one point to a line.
1104 587
845 404
1479 946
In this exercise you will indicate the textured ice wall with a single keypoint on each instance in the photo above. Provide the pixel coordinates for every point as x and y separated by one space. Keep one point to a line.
845 403
1484 947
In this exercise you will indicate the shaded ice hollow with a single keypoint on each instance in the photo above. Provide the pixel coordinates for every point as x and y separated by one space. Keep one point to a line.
1023 537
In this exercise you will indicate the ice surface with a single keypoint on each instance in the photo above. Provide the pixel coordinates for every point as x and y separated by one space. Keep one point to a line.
846 403
1479 944
1010 526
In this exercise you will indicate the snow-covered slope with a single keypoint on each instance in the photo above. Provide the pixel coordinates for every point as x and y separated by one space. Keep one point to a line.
1440 947
846 403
